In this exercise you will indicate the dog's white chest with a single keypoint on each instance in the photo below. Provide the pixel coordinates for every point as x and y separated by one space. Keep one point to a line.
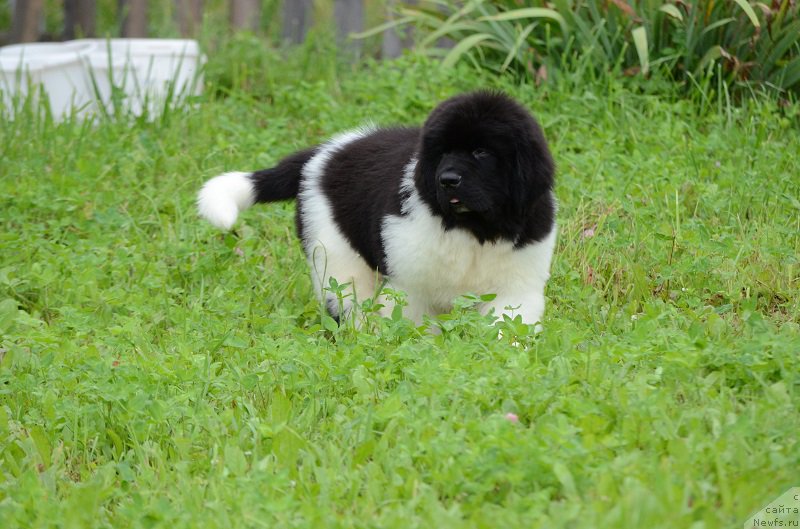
440 265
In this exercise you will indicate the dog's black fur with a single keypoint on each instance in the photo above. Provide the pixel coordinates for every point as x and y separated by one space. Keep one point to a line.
507 187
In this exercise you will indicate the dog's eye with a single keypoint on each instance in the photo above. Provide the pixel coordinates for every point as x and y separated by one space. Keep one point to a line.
480 154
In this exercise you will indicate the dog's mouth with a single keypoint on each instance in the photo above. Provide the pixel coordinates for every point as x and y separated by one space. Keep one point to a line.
457 206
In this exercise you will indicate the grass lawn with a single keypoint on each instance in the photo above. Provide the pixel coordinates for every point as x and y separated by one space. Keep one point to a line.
157 373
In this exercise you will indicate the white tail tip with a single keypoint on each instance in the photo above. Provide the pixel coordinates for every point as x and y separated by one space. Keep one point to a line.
223 197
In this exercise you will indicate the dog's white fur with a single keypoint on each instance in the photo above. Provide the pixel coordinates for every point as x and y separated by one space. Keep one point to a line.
434 266
223 197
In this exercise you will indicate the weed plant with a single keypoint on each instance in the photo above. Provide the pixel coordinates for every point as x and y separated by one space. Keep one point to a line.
745 46
157 373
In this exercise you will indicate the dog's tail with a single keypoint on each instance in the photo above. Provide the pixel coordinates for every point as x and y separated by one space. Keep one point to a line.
224 196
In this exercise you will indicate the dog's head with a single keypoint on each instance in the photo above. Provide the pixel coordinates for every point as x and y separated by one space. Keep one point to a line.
483 163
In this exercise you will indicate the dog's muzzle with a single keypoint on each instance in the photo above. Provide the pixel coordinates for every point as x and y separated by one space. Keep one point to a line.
449 179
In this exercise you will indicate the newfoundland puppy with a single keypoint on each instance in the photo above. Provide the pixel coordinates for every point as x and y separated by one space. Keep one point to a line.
463 205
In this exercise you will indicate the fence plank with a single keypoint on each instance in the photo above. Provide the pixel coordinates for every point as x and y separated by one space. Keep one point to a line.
349 17
134 23
395 40
245 14
27 14
296 20
190 16
79 18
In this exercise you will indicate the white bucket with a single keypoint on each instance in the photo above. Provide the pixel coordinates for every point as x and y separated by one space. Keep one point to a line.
45 49
146 73
90 75
58 68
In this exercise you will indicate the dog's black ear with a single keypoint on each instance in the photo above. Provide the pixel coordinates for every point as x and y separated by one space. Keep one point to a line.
427 163
534 169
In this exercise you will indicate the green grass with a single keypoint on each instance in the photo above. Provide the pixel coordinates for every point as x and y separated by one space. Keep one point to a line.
155 373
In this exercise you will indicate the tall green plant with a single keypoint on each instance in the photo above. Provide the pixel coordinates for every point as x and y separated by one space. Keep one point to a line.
478 31
760 45
745 43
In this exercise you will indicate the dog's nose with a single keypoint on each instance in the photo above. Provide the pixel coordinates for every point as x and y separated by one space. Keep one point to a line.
449 179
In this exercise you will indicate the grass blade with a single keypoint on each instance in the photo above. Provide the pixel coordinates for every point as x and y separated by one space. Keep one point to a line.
517 45
672 11
789 75
640 41
453 31
790 36
381 28
713 53
530 12
748 10
464 47
718 24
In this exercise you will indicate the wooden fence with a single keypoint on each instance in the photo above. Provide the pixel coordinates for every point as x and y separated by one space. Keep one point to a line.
80 19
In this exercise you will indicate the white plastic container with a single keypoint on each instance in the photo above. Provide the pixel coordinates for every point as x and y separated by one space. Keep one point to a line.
146 74
45 49
93 75
58 68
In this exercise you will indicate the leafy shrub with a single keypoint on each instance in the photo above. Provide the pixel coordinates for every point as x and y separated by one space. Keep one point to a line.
738 42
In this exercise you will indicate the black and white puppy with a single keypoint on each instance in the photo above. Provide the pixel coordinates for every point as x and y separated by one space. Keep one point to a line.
462 205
